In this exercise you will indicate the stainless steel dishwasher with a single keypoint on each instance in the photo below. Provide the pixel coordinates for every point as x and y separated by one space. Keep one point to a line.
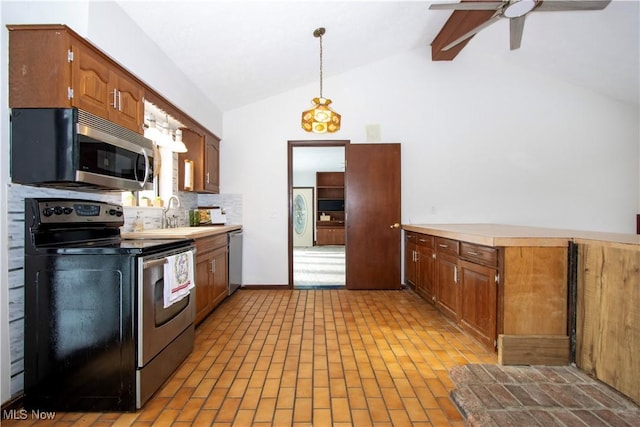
235 260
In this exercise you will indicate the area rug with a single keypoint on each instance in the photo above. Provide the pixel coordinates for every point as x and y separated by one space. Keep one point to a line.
318 267
540 396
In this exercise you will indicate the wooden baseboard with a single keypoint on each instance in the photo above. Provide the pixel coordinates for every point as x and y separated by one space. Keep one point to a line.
550 350
13 404
262 287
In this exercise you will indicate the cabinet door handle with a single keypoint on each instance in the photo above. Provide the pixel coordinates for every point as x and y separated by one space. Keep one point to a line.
455 274
473 253
422 240
213 265
443 246
396 225
207 177
115 98
119 101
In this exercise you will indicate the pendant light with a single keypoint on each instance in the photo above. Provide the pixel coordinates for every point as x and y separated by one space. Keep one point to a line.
321 118
178 145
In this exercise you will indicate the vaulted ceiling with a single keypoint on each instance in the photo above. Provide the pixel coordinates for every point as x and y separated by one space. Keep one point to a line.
238 52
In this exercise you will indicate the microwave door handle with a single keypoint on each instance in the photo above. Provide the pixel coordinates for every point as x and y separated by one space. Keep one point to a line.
146 168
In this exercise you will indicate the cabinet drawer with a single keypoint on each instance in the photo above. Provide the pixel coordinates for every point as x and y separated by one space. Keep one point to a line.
424 240
419 239
484 255
446 246
206 244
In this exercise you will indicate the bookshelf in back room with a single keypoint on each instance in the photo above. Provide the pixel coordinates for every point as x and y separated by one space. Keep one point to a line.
330 208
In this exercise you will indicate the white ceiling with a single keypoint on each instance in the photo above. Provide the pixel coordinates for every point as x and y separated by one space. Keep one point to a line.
238 52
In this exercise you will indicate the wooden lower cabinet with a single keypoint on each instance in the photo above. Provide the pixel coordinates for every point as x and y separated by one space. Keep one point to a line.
446 266
420 264
478 301
426 273
330 235
519 292
411 266
447 280
211 274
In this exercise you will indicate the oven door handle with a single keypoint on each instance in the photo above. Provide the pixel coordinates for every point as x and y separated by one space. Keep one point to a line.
153 263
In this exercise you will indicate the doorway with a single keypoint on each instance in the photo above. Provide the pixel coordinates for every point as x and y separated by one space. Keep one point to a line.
312 265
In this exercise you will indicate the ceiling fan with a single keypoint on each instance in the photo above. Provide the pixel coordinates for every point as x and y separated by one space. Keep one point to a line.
516 11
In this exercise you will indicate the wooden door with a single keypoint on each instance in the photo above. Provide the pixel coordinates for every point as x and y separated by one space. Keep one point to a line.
372 205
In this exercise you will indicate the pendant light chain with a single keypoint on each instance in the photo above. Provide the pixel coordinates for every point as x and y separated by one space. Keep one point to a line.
320 65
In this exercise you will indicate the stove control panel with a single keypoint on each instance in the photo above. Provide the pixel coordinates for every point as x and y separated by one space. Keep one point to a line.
78 211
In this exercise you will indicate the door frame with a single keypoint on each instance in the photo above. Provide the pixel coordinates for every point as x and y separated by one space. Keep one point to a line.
290 145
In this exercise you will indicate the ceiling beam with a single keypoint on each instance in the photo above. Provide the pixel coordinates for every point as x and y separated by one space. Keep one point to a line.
459 23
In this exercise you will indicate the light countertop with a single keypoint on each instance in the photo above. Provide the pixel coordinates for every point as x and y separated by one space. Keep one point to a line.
514 235
181 232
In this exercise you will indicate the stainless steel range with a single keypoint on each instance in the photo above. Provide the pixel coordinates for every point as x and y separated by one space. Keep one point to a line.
99 335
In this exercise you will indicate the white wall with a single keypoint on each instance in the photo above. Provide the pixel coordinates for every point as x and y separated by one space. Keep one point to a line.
105 24
481 142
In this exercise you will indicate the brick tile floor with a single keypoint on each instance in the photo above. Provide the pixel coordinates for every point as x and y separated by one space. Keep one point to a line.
354 358
310 358
523 396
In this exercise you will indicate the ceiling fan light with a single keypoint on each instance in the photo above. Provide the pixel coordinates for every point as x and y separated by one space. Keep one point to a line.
519 8
321 118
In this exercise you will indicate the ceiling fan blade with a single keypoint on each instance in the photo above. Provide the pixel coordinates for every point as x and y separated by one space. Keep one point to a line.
563 5
516 27
493 5
473 32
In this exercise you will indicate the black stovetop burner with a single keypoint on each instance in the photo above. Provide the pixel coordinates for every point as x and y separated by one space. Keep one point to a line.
74 226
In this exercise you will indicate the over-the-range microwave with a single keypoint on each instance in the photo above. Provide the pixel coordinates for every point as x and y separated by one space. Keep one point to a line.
71 148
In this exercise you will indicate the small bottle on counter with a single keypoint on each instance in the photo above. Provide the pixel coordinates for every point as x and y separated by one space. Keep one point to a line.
138 224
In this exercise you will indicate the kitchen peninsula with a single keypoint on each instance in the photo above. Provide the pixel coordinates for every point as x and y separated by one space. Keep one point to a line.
530 290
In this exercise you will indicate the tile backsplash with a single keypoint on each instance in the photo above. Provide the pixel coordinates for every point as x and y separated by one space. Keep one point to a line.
152 216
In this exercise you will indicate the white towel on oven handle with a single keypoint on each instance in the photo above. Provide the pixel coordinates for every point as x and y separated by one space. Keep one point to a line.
178 277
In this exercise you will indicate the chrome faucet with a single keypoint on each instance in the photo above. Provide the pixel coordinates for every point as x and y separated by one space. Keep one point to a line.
173 221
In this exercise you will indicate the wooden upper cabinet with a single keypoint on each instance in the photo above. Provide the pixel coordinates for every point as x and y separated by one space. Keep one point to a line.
129 101
204 151
90 77
211 164
50 66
